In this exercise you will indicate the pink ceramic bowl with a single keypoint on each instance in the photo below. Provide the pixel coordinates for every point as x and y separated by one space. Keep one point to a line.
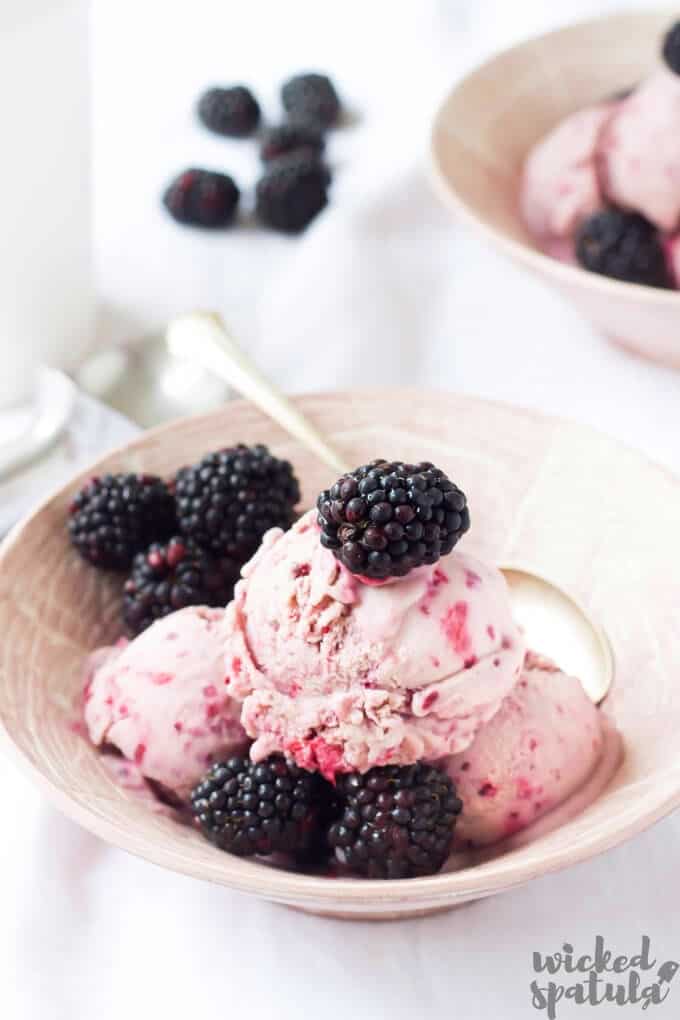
489 121
512 463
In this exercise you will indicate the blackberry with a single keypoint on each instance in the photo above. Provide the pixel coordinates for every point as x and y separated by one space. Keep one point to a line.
202 198
292 192
171 576
385 518
230 498
671 48
291 137
311 97
233 111
272 806
624 246
115 516
397 821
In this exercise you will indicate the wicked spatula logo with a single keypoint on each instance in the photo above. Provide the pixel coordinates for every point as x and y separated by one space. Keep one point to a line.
600 976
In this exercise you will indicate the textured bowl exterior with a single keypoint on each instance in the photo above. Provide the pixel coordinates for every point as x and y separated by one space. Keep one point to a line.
586 534
486 126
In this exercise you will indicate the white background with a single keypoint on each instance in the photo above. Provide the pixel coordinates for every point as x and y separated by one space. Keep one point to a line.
382 288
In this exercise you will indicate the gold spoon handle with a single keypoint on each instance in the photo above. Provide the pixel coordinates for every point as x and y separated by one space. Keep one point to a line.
202 337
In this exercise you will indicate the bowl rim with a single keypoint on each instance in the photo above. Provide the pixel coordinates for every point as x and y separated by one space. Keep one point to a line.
253 877
522 251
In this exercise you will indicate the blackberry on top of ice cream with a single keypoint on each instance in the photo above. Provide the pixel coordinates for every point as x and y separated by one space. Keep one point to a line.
227 501
168 577
232 111
272 806
671 48
115 516
202 198
624 246
312 98
386 518
396 822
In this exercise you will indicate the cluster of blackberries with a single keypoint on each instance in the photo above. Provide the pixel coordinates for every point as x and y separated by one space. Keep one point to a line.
185 540
390 822
294 185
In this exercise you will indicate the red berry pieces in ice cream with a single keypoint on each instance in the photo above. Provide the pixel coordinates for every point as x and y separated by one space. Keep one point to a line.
116 516
230 498
542 745
624 246
386 518
174 575
272 806
162 699
233 111
396 822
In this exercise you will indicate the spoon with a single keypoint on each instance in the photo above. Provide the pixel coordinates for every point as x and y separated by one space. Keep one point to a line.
202 337
549 616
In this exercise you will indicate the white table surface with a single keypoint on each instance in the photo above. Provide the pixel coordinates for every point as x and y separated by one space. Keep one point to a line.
383 288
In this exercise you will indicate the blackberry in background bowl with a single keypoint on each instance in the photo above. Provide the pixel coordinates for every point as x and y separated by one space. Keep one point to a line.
624 246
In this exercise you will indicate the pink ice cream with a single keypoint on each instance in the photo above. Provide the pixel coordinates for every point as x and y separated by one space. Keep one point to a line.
162 700
640 151
343 675
560 184
541 746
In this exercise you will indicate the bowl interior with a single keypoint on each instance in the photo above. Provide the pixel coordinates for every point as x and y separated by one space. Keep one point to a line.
490 120
551 495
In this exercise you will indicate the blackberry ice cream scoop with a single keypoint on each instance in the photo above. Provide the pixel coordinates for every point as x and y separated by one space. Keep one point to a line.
341 675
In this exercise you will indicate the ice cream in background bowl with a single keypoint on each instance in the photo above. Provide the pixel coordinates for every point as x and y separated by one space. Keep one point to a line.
563 127
602 189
